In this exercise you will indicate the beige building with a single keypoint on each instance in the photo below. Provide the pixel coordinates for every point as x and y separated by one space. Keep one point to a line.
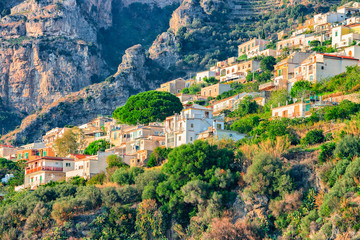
214 90
252 47
51 136
88 166
239 70
8 152
318 67
45 169
174 86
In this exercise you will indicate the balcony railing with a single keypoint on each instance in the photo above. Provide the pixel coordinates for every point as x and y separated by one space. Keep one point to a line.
266 86
43 168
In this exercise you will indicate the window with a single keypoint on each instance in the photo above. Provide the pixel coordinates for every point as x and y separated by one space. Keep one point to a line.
336 34
218 126
192 125
19 156
40 179
115 136
215 90
191 139
44 153
26 155
322 68
68 164
179 138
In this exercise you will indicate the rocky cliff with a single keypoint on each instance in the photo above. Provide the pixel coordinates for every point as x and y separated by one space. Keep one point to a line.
51 51
48 50
102 98
51 48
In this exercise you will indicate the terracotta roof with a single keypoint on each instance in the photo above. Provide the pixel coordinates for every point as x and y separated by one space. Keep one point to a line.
337 56
80 156
52 158
7 146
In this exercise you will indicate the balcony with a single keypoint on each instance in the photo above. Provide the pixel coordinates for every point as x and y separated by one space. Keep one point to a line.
266 86
43 168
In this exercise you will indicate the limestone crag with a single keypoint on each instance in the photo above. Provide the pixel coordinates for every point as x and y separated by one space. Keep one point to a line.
82 106
158 3
164 50
186 13
48 50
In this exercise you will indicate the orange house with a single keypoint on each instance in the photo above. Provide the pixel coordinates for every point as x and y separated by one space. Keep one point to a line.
32 154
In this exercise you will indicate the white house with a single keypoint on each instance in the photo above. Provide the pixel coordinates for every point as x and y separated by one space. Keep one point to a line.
187 126
352 51
330 17
6 178
343 36
320 66
205 74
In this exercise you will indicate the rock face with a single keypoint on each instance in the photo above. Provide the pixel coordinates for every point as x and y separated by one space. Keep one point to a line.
158 3
102 98
48 50
164 50
186 13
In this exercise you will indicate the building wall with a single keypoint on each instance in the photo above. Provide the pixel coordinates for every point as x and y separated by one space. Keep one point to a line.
289 111
215 90
201 75
252 46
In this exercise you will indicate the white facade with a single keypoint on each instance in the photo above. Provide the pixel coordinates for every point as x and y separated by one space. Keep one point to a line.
289 111
353 51
6 178
185 127
352 20
322 66
201 75
331 17
191 124
343 37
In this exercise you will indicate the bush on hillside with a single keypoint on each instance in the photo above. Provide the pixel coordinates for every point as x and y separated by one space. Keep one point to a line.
246 124
267 176
348 147
124 176
313 137
158 156
326 151
343 111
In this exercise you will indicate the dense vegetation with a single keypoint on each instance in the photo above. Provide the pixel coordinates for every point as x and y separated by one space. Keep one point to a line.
97 146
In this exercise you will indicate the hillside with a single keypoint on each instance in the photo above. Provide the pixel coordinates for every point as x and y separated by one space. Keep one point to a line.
199 34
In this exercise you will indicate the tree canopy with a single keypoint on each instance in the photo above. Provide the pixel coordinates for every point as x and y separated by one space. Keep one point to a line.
98 145
300 89
148 107
267 63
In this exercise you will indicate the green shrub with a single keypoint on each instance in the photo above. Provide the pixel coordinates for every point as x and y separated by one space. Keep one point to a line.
96 146
267 176
341 187
326 151
313 137
128 194
97 179
110 196
337 171
348 147
246 124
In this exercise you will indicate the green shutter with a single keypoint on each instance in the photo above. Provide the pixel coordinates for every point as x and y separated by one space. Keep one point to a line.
44 153
40 179
26 155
